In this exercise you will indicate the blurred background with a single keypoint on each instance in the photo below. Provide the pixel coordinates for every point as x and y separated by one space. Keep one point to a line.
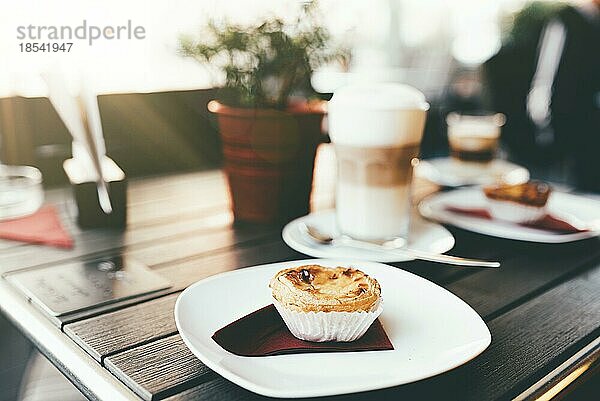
464 55
537 62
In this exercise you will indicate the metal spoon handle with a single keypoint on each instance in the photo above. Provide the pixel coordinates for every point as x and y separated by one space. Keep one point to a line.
452 260
432 257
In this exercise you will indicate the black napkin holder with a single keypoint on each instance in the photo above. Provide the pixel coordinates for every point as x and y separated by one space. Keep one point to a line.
85 193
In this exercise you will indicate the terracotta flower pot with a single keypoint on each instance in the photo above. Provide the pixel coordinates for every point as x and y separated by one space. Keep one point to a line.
269 158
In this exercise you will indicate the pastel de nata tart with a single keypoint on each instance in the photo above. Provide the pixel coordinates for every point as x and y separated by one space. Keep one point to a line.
520 203
326 304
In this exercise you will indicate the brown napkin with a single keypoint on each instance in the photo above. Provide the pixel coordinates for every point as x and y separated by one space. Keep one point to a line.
263 333
548 222
42 227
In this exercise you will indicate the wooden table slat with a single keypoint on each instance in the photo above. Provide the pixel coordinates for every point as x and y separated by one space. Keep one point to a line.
523 275
183 273
528 338
145 225
190 246
116 331
136 238
102 241
148 189
217 389
213 242
144 371
103 335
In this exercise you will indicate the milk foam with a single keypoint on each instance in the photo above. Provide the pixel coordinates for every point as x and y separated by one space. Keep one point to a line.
377 115
474 129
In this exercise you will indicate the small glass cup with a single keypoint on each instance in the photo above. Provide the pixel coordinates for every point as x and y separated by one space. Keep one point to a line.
473 138
21 192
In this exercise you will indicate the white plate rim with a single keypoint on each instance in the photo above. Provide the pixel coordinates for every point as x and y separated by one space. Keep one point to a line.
286 235
465 223
440 179
270 392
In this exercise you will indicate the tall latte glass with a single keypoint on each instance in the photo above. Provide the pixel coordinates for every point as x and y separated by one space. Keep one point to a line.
376 131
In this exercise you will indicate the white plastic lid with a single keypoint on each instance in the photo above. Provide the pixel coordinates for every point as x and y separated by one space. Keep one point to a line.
379 96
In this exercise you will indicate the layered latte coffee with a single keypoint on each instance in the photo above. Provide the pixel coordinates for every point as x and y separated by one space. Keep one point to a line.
474 138
376 132
373 193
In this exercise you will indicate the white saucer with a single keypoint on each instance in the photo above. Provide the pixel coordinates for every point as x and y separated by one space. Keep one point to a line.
568 206
432 331
451 173
424 236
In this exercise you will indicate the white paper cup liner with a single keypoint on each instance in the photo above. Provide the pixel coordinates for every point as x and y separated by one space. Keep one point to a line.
514 212
328 326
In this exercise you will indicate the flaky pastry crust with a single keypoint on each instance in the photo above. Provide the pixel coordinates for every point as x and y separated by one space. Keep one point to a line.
314 288
532 193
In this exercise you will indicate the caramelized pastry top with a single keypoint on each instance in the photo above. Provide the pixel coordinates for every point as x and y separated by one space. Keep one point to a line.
532 193
314 288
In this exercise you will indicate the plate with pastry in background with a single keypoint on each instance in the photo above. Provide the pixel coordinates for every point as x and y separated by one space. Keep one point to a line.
531 211
321 327
447 172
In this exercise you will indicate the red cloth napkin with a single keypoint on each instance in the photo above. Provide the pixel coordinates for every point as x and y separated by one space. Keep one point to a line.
263 333
548 222
42 227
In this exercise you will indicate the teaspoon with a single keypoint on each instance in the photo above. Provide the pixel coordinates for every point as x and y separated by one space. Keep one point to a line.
391 247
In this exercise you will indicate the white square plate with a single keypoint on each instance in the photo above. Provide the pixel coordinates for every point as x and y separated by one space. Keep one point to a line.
432 331
578 210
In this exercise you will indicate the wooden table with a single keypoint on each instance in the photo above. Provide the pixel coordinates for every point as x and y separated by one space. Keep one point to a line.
542 306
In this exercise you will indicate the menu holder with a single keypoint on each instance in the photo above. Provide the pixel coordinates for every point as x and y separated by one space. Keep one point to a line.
77 286
85 193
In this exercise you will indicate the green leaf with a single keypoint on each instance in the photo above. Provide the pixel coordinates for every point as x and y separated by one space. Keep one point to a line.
265 64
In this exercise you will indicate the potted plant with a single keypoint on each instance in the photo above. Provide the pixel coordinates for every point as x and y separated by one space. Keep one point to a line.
269 119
